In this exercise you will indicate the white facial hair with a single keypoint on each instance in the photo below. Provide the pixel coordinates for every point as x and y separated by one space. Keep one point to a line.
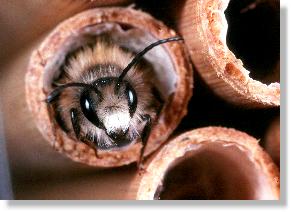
117 121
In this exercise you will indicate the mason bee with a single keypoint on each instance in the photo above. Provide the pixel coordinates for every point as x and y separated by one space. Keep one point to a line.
104 101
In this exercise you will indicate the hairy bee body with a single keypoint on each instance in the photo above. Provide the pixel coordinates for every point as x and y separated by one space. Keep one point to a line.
105 101
101 66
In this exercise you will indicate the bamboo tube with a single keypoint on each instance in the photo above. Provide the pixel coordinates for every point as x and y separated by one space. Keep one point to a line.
126 27
210 163
215 44
272 140
26 20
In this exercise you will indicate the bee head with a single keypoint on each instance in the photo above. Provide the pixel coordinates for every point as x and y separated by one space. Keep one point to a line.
109 103
110 107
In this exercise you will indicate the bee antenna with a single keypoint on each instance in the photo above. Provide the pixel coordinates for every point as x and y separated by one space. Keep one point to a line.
55 93
139 56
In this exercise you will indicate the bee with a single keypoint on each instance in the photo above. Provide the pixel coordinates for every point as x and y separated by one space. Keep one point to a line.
106 102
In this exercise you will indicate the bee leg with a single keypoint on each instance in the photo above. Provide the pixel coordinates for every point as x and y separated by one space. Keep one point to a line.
144 137
159 101
75 122
76 128
90 144
157 95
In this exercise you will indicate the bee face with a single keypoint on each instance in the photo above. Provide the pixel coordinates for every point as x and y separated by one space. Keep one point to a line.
111 108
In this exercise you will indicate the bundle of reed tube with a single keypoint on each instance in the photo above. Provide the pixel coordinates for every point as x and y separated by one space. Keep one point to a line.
188 93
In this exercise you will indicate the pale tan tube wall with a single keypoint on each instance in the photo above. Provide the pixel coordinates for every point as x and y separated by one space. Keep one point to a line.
210 163
204 27
56 43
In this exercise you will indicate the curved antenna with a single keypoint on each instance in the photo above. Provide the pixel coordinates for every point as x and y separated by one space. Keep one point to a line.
139 56
55 93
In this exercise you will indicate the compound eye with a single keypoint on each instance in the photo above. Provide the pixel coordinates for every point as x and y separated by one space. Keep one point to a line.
87 106
132 99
